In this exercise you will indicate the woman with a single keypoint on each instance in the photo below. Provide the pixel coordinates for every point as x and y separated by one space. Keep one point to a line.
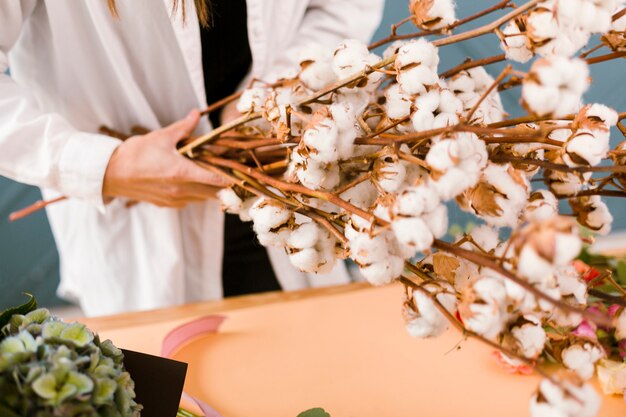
75 67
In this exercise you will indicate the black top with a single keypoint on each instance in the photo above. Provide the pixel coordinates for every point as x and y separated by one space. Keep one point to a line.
226 58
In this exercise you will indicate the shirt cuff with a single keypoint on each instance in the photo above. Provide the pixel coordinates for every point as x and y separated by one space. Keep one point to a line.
82 166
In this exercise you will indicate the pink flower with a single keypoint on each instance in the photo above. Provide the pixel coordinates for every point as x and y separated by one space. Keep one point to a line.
513 366
587 330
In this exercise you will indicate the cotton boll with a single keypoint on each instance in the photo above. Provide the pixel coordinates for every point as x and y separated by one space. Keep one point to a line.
444 120
437 221
274 239
415 201
592 213
429 101
514 43
542 204
454 182
420 52
533 267
304 236
244 213
570 283
423 120
414 80
350 58
581 358
443 155
551 400
568 247
530 337
321 139
318 176
432 15
268 214
398 104
413 233
605 114
230 201
542 26
252 99
486 237
428 321
487 316
462 83
389 175
393 49
450 103
586 148
362 195
366 250
306 260
565 183
383 272
317 75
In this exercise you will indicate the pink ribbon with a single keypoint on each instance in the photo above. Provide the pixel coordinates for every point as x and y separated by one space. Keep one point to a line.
184 333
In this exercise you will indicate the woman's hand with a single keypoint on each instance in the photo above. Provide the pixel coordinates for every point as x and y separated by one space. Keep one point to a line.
148 168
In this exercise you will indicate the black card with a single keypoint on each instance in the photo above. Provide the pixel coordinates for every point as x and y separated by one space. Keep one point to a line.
158 383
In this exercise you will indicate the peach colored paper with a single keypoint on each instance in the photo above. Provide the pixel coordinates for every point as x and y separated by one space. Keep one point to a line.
348 353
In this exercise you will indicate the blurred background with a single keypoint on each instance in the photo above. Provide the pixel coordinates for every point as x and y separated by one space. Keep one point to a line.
28 257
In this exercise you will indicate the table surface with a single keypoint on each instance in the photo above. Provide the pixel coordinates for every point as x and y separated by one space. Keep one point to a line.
342 348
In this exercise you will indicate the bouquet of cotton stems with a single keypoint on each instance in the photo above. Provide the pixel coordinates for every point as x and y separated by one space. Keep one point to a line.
354 155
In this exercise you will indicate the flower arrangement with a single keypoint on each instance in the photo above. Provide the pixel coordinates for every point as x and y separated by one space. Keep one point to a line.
356 156
52 368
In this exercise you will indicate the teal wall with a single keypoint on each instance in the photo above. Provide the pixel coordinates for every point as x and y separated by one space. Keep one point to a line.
28 257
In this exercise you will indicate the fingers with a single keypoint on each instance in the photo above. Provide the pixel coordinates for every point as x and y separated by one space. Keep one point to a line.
182 128
190 172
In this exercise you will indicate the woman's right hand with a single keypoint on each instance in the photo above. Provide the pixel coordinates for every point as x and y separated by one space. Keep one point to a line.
148 168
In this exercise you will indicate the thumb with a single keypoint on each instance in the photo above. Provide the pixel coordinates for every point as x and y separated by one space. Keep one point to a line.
182 128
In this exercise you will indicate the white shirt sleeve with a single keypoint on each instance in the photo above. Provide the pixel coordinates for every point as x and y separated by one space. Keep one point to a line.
328 22
40 148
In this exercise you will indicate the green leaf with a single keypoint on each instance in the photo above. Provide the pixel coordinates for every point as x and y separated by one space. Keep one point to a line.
24 309
46 386
620 272
11 345
77 334
314 412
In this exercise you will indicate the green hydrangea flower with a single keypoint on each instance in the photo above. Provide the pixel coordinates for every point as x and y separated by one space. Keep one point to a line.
50 368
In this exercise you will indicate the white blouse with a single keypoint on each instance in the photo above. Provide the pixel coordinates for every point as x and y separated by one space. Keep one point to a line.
74 68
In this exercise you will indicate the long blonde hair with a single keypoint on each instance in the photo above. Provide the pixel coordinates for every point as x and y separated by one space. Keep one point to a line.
203 9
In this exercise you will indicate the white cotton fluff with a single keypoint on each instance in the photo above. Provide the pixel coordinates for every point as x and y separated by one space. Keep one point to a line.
553 401
351 57
398 104
268 214
316 71
429 101
450 103
230 201
244 213
390 175
534 267
417 52
311 249
252 99
440 14
485 236
361 195
555 85
488 316
605 114
383 272
437 221
429 321
445 120
366 250
415 201
566 183
415 80
571 284
321 139
515 43
413 233
581 358
542 205
620 325
542 26
459 160
305 235
530 337
423 120
512 188
587 147
597 215
314 175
